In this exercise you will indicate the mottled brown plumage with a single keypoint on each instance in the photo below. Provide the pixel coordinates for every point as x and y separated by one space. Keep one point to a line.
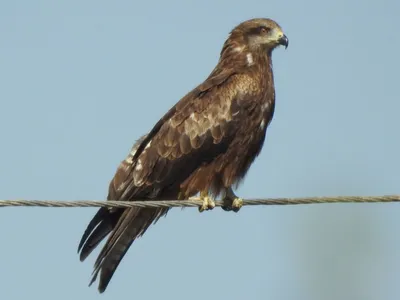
205 143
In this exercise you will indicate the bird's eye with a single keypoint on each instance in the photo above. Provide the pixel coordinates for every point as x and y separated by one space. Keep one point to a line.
264 30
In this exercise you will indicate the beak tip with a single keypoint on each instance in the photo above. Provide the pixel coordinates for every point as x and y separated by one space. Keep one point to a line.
284 41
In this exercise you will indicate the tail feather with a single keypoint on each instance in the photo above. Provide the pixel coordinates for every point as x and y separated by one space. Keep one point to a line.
99 227
132 224
96 237
96 220
123 225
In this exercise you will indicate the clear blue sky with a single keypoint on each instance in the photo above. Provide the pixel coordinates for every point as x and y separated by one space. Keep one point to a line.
81 80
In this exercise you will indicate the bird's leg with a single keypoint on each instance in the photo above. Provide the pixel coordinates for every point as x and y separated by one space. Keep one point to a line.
231 201
208 202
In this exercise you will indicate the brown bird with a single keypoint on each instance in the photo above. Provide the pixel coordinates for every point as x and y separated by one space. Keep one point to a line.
204 144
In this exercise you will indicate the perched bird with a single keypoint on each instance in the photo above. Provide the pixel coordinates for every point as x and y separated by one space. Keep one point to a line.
204 144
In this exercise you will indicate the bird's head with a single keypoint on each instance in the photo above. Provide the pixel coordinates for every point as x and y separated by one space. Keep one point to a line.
260 34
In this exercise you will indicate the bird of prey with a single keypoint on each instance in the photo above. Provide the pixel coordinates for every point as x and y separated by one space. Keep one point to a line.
204 144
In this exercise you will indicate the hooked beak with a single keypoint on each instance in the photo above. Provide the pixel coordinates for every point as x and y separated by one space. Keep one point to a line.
284 41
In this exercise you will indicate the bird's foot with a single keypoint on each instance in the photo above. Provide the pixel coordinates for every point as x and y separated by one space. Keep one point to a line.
208 202
231 201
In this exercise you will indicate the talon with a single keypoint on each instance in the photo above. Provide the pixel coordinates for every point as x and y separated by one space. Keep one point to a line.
208 203
237 204
231 201
211 203
227 206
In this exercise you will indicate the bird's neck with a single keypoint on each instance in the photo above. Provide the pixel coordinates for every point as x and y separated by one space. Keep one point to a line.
260 65
242 59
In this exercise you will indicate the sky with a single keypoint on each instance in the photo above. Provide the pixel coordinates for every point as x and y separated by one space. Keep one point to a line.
82 80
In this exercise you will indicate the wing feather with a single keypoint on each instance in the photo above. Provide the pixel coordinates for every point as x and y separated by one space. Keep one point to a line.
190 117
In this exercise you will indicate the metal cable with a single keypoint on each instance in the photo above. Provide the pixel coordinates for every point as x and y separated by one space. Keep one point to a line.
195 202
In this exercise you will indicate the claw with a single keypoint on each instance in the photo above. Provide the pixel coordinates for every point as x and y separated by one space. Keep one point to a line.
208 203
237 204
231 201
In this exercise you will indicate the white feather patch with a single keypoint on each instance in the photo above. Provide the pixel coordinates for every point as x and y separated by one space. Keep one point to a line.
249 58
139 165
148 145
262 124
235 113
129 159
238 49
